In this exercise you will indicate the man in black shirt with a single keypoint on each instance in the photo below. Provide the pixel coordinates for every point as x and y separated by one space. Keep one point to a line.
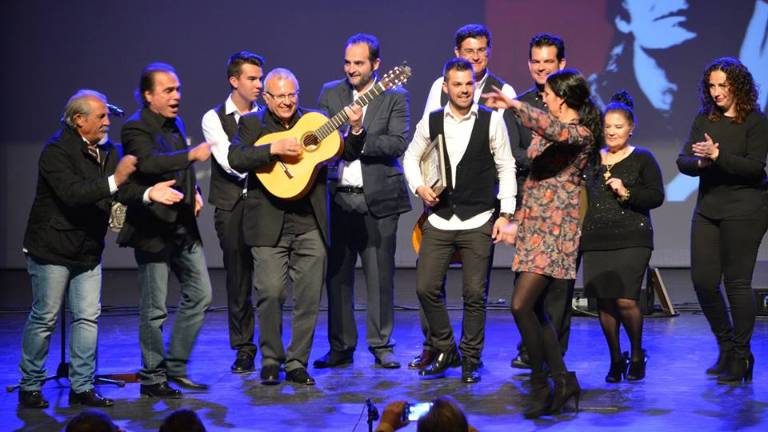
288 238
165 238
546 54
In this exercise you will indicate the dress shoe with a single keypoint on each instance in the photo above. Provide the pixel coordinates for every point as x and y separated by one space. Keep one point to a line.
470 373
521 361
161 390
422 360
32 399
300 376
90 398
740 368
540 397
184 381
618 369
386 360
243 363
636 370
333 359
270 375
441 363
566 388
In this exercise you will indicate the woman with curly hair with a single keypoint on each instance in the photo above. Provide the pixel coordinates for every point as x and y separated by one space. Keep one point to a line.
726 149
546 227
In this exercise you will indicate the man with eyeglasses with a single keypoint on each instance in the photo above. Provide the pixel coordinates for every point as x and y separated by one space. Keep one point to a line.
473 44
287 238
366 204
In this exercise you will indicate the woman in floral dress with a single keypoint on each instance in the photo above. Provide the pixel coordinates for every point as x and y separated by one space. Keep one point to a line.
547 230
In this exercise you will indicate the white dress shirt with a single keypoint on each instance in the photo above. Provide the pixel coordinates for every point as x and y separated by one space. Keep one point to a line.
433 100
457 130
351 172
214 134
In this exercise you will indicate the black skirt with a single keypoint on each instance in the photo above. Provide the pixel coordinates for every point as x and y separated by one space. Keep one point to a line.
615 273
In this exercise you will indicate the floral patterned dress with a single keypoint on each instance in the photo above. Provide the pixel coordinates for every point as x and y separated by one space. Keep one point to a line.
548 220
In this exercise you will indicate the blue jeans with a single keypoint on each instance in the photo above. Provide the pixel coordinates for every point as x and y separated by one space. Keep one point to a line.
49 285
187 262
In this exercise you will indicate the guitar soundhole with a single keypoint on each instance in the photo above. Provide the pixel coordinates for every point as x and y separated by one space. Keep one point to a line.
310 142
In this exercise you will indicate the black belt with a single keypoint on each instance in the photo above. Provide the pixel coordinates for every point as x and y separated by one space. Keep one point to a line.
349 189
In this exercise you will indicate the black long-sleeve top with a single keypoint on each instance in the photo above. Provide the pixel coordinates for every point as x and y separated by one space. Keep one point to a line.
611 224
733 185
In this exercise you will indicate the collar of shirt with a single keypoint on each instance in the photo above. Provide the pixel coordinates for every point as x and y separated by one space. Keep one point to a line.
230 107
448 112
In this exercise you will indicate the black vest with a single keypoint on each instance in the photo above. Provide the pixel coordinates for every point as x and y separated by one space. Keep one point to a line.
225 189
475 189
491 81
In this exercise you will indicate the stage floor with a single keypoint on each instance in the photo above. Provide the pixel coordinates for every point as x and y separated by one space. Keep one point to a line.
675 396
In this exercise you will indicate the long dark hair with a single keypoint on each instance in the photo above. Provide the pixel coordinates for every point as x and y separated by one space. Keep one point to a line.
740 83
571 86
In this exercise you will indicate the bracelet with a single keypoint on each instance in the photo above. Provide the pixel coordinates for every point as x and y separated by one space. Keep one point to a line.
352 131
625 198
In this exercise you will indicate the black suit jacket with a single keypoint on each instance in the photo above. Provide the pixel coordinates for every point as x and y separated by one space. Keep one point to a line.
70 213
387 126
150 227
264 213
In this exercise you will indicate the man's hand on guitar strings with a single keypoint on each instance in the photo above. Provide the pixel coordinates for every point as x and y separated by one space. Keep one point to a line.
286 147
355 114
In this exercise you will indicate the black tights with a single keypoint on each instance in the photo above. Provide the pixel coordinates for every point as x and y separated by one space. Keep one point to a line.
627 313
538 334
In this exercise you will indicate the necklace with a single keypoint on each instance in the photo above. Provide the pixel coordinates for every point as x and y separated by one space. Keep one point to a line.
621 155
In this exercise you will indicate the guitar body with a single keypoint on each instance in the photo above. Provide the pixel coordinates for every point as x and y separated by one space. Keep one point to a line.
293 178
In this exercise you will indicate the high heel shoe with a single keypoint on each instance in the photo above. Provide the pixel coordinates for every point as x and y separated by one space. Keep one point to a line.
636 370
720 366
739 369
540 396
618 369
566 388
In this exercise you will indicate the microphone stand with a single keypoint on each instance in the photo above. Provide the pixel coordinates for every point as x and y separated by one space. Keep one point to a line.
373 414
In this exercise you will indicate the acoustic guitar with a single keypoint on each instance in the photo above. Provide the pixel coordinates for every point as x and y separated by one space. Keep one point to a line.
291 179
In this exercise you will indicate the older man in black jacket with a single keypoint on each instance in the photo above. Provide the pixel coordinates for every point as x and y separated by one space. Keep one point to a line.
80 174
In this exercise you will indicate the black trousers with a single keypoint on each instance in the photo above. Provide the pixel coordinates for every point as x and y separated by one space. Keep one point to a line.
727 250
434 257
238 265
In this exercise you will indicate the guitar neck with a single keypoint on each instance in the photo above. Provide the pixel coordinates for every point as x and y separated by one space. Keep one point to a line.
341 117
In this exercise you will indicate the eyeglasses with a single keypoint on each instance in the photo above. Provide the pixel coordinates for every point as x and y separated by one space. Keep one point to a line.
283 97
469 52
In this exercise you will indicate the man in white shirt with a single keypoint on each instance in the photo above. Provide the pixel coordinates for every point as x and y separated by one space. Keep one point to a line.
228 187
477 153
473 43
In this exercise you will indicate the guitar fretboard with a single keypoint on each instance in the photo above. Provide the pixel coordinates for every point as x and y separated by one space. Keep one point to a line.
341 117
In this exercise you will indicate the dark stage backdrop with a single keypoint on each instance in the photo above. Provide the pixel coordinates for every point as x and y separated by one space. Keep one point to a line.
655 49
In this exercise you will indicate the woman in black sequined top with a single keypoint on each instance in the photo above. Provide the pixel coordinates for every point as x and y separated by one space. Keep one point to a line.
617 235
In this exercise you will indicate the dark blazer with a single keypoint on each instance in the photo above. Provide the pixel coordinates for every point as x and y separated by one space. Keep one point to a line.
387 126
263 212
70 213
149 227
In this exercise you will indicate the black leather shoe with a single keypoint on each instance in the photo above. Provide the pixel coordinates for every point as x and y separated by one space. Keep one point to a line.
470 371
32 399
270 375
521 361
422 360
333 359
386 360
441 363
243 363
162 391
300 376
90 398
187 383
